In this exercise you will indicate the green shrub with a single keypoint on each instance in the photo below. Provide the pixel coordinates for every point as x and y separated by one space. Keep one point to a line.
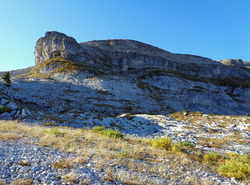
112 133
213 158
163 143
183 111
237 167
108 132
4 109
182 146
98 129
55 132
247 115
6 78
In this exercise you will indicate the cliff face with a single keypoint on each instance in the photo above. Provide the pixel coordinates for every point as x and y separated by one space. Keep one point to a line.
128 56
110 77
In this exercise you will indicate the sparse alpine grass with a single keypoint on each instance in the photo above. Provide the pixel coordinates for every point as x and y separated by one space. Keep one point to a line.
108 132
163 143
236 166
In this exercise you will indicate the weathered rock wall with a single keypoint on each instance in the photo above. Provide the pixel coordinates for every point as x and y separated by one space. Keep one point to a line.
126 55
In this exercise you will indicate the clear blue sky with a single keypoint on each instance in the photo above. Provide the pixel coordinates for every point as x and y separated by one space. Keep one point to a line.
217 29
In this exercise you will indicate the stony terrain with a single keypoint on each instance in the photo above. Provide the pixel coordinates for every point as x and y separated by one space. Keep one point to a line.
138 89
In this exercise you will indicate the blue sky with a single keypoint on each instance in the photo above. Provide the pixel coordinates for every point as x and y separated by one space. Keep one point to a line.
217 29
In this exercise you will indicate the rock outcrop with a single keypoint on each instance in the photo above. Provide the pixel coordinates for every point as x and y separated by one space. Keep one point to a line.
8 108
58 44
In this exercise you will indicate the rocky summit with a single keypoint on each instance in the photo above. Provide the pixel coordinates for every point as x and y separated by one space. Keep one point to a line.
145 94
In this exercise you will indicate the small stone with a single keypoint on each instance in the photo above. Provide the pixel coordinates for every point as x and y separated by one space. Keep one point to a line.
12 106
36 168
4 101
12 113
25 169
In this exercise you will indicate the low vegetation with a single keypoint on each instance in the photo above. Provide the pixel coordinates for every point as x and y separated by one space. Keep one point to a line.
236 166
4 109
108 132
6 78
212 158
162 143
57 65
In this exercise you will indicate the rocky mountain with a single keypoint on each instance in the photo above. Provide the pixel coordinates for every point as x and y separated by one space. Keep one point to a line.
111 77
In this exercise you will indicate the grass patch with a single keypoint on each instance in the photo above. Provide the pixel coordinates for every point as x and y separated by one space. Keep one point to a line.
163 143
237 167
213 158
58 64
108 132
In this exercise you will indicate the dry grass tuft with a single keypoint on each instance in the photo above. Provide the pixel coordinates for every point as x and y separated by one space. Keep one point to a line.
62 164
22 182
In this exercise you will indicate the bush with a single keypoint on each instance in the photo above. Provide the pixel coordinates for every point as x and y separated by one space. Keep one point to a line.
183 111
163 143
6 78
4 109
108 132
237 167
247 115
98 129
182 146
213 157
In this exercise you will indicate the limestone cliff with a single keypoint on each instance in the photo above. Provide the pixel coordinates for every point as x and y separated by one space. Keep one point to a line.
110 77
128 56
